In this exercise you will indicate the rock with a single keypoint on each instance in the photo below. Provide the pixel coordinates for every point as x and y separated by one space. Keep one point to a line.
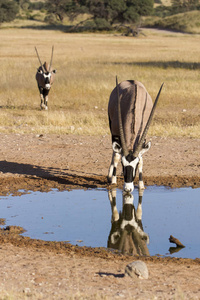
137 269
176 241
27 291
14 229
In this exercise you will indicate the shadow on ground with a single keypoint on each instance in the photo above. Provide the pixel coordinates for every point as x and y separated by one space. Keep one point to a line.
52 175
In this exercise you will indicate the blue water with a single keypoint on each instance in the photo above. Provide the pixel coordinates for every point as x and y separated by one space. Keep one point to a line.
84 217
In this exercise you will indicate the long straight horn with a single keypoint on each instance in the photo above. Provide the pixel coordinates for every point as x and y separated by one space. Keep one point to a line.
39 60
51 59
121 131
139 146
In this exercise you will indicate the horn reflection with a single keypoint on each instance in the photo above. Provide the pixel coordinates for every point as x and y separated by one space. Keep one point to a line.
127 234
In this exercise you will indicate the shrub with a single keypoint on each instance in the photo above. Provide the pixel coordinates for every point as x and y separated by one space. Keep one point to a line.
8 10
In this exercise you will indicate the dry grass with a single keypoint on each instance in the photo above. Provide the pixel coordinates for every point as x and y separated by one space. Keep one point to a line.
86 68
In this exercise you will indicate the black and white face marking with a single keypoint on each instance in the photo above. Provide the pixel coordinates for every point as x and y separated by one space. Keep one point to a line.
130 164
47 78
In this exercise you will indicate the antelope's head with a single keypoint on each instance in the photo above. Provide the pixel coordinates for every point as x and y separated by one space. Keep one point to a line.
130 158
45 70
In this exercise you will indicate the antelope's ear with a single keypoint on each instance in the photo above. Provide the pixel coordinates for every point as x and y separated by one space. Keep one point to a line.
145 148
116 147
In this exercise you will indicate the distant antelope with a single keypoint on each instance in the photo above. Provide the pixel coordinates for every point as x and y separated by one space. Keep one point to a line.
44 77
130 111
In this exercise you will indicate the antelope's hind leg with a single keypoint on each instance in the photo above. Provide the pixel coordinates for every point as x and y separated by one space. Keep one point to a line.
112 173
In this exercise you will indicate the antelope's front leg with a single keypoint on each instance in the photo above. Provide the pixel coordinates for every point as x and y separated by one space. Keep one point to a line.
112 173
46 92
140 166
42 101
41 98
46 102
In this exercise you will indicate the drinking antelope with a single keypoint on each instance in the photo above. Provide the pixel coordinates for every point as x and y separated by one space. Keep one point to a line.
130 112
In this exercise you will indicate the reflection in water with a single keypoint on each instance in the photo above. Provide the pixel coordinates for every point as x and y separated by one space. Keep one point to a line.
127 234
173 250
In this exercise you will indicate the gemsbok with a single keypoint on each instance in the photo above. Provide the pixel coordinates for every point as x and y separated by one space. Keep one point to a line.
44 77
130 112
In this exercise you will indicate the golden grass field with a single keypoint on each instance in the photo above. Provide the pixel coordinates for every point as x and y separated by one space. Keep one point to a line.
87 65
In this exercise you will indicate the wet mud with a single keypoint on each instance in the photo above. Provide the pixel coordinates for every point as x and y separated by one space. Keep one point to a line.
11 235
23 184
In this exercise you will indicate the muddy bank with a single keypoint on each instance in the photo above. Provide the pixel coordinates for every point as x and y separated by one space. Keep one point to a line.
18 185
43 162
11 234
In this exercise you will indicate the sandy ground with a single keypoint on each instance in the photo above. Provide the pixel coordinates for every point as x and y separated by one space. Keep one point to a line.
41 270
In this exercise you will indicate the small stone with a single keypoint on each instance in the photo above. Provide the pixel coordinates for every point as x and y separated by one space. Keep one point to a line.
27 291
137 269
39 280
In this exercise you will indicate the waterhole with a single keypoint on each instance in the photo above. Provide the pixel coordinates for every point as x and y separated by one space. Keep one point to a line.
99 218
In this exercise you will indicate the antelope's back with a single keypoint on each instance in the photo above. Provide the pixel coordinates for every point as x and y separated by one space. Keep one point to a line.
136 105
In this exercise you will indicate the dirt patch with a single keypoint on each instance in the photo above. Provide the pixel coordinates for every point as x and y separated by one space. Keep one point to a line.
52 270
